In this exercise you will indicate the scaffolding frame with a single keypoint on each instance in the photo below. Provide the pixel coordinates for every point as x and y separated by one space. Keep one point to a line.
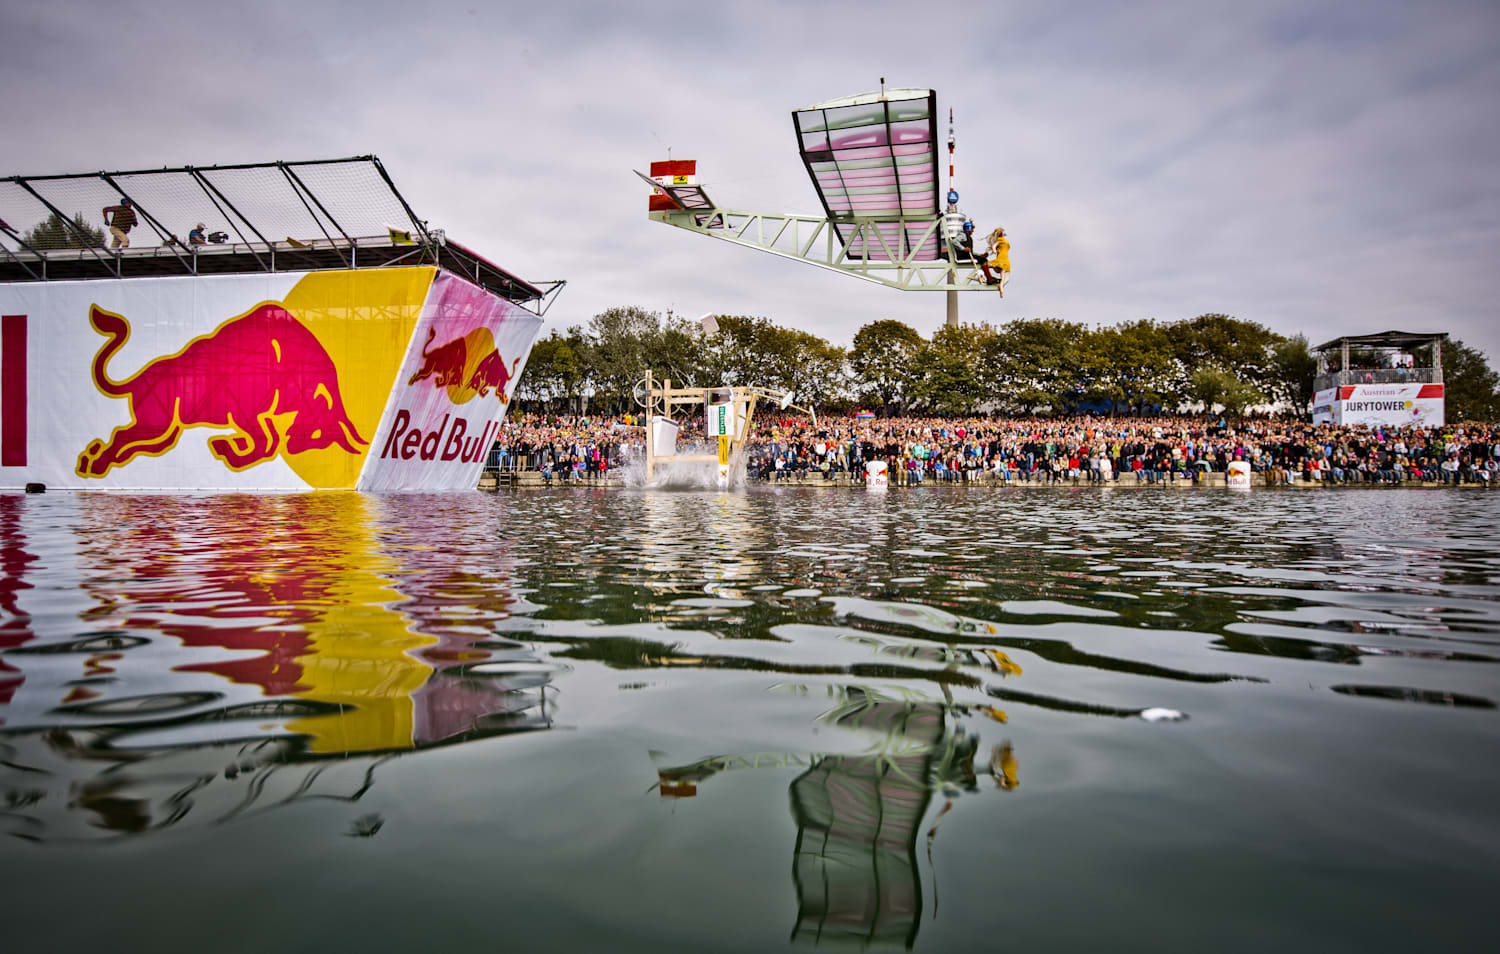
335 222
825 242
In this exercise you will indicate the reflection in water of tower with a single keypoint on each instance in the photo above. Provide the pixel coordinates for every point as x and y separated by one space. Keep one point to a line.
856 861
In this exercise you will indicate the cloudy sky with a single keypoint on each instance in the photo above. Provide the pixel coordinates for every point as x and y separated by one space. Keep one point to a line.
1324 168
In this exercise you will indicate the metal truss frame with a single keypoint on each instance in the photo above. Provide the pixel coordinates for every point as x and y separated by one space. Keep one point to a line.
249 211
825 243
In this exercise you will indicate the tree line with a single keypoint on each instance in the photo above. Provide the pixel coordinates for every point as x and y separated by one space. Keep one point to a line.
1212 361
1026 366
55 232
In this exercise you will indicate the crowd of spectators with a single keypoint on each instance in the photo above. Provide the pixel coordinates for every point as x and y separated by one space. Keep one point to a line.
568 447
1141 449
1048 450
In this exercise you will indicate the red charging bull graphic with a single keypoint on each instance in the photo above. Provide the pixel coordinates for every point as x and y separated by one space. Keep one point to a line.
262 374
491 372
468 366
445 365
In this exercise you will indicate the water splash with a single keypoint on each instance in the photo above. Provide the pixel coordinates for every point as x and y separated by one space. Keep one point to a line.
681 474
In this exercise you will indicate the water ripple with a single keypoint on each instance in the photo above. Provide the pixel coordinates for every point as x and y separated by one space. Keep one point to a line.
1139 660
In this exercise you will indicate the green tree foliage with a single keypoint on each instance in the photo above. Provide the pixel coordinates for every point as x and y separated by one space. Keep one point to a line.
1471 388
55 232
555 371
948 379
618 339
1027 365
620 344
1033 362
1130 366
1293 369
885 360
1156 381
1215 386
754 351
676 348
1242 348
748 350
822 376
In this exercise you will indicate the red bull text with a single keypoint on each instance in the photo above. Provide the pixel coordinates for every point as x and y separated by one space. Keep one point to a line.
405 442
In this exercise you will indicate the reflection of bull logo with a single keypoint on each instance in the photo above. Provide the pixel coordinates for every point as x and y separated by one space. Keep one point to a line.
447 362
243 375
491 372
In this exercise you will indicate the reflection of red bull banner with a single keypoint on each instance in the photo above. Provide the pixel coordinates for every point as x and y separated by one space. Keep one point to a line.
309 378
302 634
375 662
15 621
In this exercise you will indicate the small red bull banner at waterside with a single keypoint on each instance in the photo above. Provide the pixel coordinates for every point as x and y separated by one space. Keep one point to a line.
371 379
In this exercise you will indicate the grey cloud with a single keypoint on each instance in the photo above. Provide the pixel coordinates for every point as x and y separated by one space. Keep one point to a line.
1321 167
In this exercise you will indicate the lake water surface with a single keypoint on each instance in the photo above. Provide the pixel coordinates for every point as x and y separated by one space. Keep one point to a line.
941 719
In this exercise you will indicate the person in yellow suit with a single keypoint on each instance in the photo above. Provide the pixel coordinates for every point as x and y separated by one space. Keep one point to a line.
999 256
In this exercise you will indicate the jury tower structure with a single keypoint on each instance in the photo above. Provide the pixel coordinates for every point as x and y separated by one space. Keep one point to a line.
873 159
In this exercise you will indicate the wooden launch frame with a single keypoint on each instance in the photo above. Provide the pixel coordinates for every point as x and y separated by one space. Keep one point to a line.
660 400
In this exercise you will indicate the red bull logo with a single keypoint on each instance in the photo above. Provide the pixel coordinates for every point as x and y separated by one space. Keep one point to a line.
263 375
466 366
491 372
445 365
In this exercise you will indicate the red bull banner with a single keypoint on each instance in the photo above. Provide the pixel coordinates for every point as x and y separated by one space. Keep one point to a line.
467 351
370 379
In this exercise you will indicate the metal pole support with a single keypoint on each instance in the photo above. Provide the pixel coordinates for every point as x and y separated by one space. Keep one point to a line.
952 300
